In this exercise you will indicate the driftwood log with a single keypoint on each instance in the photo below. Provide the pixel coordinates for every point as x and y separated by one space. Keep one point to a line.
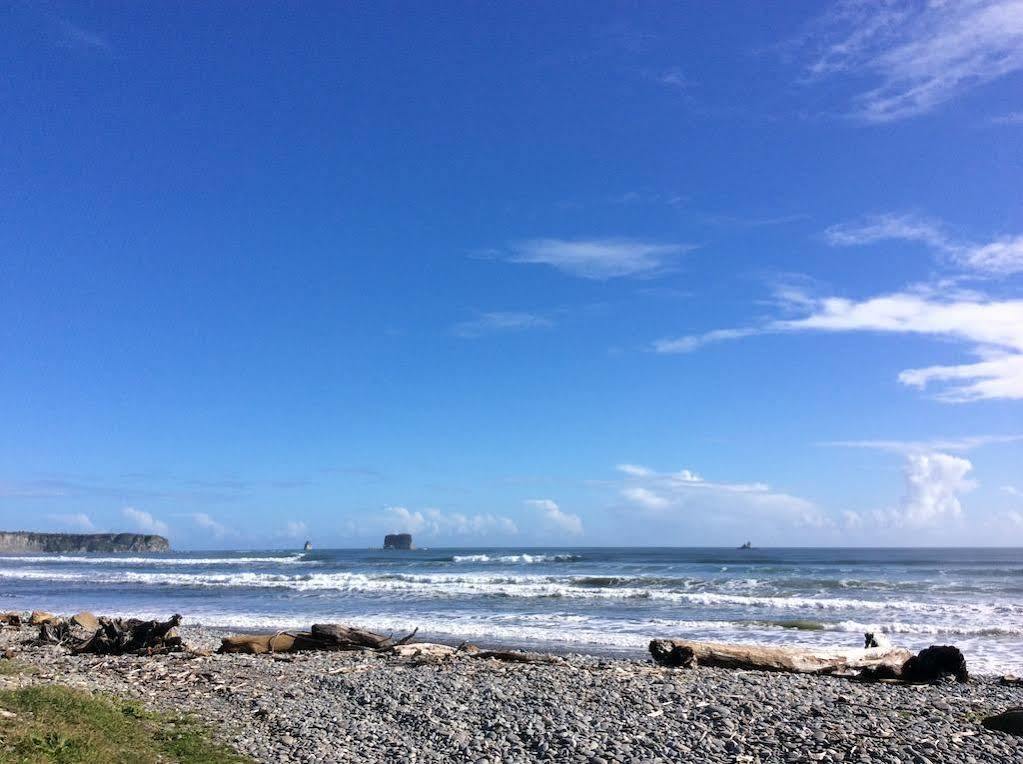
873 663
322 636
685 653
85 633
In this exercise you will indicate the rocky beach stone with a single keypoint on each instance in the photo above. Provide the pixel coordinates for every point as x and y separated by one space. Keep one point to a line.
314 707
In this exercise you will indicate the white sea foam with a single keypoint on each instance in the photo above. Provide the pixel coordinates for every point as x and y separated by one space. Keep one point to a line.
516 558
293 559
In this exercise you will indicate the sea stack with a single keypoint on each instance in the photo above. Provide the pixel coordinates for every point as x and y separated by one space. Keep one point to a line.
398 541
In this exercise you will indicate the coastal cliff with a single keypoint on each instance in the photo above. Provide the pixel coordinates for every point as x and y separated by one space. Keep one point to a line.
20 541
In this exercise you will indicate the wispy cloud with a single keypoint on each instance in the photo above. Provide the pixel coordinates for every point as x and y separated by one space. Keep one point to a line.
672 77
993 328
1012 118
968 443
433 522
74 36
79 521
555 518
918 55
208 524
686 491
600 259
498 322
143 521
1000 256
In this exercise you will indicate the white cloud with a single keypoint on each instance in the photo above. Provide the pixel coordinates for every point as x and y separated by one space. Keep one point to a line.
500 321
434 522
1012 118
934 481
686 491
78 520
143 521
555 518
918 55
933 484
917 446
635 470
644 497
1001 256
993 328
207 523
692 342
1012 491
296 529
673 77
600 259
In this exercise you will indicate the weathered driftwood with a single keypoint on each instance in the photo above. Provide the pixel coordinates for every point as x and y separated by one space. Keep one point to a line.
1010 721
684 653
85 633
323 636
39 617
872 663
10 619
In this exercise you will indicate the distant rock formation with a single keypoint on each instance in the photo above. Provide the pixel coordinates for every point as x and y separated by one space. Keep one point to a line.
20 541
398 541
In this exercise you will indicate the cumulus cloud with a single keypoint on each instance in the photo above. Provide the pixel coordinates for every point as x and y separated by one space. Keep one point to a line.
992 328
434 522
600 259
933 485
143 521
78 520
555 518
917 55
1001 256
685 491
500 321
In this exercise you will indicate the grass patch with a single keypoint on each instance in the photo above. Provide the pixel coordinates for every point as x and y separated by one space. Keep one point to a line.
10 667
66 726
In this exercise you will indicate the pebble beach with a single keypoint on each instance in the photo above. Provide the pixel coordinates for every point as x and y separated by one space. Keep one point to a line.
370 707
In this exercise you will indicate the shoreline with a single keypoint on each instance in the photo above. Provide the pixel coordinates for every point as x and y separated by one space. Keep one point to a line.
320 706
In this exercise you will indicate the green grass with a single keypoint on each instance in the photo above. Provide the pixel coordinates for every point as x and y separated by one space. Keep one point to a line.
10 667
66 726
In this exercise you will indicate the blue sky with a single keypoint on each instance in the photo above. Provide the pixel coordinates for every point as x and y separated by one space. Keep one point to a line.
575 273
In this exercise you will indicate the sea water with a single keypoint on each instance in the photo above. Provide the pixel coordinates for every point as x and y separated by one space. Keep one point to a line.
603 600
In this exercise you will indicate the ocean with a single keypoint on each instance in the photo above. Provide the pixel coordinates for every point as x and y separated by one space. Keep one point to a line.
600 600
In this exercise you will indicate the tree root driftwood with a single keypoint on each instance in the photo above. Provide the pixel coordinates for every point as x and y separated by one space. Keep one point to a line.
877 662
85 633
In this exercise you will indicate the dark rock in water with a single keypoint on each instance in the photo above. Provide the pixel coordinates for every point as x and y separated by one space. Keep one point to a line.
19 541
398 541
934 663
1010 721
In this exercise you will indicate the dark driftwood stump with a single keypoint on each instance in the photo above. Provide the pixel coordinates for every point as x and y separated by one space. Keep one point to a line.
85 633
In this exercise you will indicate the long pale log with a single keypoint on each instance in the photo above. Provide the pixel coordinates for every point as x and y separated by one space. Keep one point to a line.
682 652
